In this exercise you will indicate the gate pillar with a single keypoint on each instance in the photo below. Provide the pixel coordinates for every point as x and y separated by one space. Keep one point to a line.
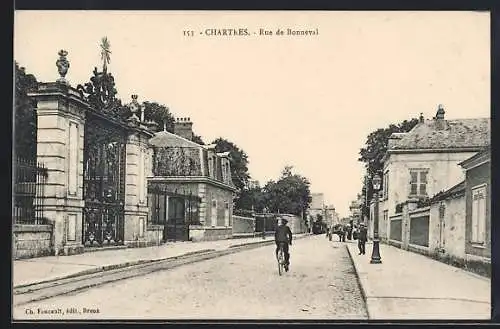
138 162
60 130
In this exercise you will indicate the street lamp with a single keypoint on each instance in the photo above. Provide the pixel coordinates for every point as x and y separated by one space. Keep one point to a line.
376 251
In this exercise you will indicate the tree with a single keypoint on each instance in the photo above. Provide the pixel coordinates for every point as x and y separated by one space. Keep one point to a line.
197 139
25 122
375 149
251 198
290 194
160 114
239 161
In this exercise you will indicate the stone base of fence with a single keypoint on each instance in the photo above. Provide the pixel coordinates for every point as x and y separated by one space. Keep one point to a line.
69 250
31 241
210 233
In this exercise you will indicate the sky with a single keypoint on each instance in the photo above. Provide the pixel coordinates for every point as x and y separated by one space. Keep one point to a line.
306 101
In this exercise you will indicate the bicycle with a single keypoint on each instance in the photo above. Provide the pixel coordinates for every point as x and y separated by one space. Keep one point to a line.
280 257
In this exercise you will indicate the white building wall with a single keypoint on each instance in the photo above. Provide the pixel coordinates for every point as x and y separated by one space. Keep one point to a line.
444 172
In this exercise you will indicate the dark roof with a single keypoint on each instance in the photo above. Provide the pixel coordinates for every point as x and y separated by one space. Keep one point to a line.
460 133
455 191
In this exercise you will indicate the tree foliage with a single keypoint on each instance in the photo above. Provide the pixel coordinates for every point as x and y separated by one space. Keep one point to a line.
251 198
160 114
197 139
25 120
289 194
376 147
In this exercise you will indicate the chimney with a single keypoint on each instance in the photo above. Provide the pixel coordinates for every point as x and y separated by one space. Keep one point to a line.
184 127
439 118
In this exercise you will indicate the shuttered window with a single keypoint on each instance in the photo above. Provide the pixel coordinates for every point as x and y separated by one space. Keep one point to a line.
478 214
418 182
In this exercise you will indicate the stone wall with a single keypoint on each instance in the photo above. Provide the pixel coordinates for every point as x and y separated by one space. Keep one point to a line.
154 235
201 233
448 240
296 224
223 198
31 241
243 224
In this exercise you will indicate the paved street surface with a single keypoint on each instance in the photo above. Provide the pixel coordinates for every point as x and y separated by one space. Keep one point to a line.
411 286
321 284
32 270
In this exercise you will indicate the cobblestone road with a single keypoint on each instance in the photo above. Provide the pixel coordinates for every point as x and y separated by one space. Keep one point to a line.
321 284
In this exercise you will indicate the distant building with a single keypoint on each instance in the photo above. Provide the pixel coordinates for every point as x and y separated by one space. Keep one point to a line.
331 216
317 206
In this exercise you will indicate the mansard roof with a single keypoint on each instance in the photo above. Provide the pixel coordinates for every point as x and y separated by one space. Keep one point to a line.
454 134
167 139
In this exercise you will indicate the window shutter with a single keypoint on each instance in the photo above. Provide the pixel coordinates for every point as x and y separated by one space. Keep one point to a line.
474 216
482 216
423 183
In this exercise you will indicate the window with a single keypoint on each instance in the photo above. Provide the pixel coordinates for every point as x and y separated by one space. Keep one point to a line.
226 214
418 182
478 214
214 213
192 209
386 185
157 206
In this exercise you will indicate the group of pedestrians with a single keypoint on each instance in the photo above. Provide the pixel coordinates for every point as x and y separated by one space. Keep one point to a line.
361 234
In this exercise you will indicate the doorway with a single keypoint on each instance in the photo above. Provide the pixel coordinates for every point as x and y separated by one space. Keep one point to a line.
176 228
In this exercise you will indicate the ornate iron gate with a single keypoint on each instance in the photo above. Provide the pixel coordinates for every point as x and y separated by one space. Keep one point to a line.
103 182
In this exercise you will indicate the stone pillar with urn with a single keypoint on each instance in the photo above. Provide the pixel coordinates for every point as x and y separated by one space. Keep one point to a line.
138 162
60 139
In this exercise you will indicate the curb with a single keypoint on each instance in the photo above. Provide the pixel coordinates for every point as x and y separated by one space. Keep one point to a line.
362 289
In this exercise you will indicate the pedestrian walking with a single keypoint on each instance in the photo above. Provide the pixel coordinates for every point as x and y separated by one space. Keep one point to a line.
362 237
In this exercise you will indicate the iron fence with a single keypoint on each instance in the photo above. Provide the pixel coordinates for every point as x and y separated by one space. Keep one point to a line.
29 182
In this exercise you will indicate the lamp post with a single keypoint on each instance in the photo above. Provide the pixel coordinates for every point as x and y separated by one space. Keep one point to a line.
264 223
376 251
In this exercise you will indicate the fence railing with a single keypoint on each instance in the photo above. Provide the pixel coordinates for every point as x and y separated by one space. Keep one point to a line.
29 181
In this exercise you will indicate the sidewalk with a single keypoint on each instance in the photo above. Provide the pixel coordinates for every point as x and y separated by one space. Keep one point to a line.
411 286
35 270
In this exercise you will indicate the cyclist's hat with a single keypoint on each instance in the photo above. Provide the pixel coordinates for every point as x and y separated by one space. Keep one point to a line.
283 220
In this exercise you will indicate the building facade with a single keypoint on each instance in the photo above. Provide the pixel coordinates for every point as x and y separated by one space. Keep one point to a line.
478 209
425 161
110 179
190 188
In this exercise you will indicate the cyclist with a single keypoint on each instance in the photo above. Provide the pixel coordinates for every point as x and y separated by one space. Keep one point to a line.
283 235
